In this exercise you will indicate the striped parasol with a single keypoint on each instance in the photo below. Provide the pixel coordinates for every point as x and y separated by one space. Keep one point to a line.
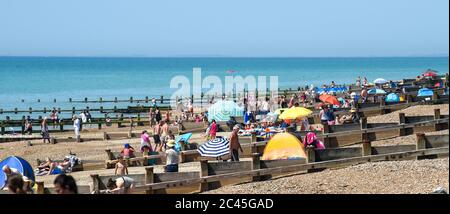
223 110
215 148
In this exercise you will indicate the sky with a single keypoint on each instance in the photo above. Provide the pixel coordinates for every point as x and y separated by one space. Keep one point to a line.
234 28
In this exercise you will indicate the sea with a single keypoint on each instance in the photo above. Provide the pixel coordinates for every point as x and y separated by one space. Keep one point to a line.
25 80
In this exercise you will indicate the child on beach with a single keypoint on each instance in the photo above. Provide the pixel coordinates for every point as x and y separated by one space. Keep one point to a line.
121 167
121 185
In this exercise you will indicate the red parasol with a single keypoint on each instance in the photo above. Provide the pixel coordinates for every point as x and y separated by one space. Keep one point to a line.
326 98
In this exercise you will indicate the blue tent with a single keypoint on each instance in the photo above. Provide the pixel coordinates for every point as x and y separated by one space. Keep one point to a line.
392 98
424 92
18 163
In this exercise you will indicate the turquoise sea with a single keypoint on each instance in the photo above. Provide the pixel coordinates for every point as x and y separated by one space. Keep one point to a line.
48 78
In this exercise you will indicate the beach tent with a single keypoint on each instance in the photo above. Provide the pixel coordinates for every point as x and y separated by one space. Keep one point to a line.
18 163
380 81
294 113
284 146
392 98
376 91
223 110
184 138
424 92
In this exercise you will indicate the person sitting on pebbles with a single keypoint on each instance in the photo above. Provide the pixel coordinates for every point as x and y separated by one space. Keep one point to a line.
120 185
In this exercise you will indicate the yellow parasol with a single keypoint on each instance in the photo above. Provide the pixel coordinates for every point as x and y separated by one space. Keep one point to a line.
295 112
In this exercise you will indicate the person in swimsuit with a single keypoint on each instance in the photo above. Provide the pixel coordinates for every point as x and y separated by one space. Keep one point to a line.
121 167
165 133
157 133
121 185
59 168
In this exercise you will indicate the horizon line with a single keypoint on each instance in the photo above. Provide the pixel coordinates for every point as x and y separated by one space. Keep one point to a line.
224 56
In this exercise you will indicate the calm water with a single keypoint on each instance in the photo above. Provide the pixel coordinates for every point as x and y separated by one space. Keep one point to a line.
32 78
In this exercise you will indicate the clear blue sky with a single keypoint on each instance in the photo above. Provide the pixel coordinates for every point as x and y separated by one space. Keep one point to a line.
225 28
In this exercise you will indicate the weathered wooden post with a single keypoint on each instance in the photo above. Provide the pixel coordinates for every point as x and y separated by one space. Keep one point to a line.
101 99
73 110
325 131
15 110
139 120
95 183
146 99
149 179
203 173
162 99
85 99
40 187
2 127
420 143
99 124
256 164
59 110
402 120
30 110
115 99
61 125
435 96
45 110
23 125
437 116
310 157
253 137
131 99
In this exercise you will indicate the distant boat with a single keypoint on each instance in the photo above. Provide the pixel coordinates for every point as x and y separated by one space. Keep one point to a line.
231 71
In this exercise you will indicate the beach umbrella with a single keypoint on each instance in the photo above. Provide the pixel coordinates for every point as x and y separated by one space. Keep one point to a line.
223 110
280 111
424 92
215 148
380 81
392 98
270 117
295 112
430 73
326 98
376 91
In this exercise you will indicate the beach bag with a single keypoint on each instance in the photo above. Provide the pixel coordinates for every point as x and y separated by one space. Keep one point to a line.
74 161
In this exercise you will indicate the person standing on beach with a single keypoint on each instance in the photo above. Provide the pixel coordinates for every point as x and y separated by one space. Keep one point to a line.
88 118
358 81
167 116
83 119
54 117
165 132
323 115
121 167
151 116
234 144
158 117
213 130
44 130
157 134
76 127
